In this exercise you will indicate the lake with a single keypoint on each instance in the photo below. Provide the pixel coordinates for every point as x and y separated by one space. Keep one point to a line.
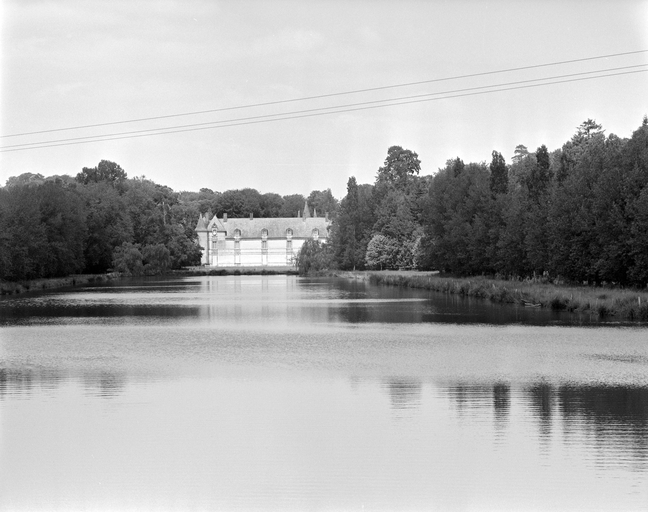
288 393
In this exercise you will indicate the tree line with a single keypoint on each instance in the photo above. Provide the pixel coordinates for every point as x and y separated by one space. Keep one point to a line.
578 213
100 220
243 202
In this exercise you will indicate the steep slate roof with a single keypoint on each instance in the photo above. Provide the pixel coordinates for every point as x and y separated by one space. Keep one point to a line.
202 223
251 228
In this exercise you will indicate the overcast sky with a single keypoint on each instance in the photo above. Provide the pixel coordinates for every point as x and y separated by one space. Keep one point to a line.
73 63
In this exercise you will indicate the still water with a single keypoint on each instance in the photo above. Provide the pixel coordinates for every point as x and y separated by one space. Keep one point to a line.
285 393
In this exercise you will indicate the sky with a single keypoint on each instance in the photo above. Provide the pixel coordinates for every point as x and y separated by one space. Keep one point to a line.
74 63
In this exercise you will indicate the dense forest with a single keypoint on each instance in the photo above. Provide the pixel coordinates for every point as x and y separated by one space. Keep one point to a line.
577 213
101 220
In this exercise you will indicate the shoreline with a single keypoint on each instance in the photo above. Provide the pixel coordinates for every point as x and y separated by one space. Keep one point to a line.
603 302
8 288
48 283
237 271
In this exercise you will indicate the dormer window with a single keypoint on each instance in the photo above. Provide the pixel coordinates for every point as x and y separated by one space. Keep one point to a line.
264 234
289 234
315 234
237 234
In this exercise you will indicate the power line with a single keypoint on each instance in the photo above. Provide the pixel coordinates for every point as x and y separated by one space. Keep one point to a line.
152 131
329 95
289 116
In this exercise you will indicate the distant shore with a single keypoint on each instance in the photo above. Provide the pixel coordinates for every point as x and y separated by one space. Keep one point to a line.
17 287
238 271
626 304
11 287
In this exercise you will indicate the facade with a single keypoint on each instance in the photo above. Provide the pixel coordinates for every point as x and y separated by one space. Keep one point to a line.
251 242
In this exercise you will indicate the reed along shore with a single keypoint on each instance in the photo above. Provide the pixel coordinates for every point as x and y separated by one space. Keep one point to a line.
603 302
14 287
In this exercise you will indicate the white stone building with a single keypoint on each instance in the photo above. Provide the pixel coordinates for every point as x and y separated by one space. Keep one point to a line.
259 242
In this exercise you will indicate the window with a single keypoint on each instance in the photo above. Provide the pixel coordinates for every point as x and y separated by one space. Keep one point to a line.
237 251
289 252
315 234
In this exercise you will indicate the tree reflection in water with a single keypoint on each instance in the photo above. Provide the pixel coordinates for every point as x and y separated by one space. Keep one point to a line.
613 418
23 381
403 393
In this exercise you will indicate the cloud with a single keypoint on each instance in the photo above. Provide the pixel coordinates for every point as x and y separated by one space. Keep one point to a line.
64 89
288 41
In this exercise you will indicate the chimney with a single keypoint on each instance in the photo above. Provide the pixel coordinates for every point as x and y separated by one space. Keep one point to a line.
225 217
314 212
298 213
326 216
251 216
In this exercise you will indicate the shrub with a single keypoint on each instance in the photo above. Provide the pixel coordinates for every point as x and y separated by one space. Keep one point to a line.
127 259
314 258
156 258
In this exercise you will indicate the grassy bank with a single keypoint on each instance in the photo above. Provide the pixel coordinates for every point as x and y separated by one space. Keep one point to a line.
602 302
10 287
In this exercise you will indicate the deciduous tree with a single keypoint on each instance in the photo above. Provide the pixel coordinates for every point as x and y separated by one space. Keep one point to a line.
105 171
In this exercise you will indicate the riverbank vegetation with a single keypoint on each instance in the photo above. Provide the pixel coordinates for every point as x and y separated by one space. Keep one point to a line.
11 287
596 301
101 220
577 214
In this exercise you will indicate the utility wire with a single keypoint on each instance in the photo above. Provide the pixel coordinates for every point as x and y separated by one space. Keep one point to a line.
320 96
152 131
288 116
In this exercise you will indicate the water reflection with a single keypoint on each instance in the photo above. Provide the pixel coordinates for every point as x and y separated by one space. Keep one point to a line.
501 403
256 392
615 416
470 397
104 384
280 299
607 418
21 381
404 393
541 403
24 382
